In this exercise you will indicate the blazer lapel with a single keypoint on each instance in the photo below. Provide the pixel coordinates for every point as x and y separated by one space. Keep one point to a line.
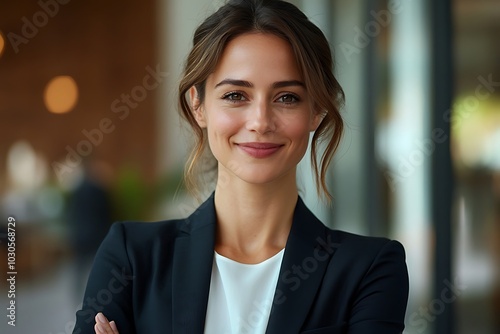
192 268
307 254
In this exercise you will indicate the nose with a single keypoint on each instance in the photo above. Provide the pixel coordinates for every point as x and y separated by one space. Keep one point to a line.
260 118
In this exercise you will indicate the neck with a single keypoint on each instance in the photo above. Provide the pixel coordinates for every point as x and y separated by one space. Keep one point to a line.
254 220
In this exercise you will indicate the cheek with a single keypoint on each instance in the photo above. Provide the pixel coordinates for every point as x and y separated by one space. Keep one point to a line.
223 122
220 127
298 129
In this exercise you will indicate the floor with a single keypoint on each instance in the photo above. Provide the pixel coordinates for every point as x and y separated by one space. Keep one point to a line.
45 306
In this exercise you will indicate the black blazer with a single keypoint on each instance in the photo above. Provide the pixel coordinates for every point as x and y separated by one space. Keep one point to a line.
155 278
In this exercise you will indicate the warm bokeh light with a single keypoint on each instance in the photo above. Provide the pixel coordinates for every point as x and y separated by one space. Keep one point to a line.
2 43
61 94
26 168
476 133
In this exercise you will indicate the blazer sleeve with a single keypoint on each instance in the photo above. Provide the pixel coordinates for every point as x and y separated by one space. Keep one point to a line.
109 288
380 305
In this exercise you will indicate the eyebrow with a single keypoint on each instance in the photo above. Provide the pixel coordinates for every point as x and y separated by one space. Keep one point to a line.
243 83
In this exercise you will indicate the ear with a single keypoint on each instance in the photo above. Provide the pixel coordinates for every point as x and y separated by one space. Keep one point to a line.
315 121
198 113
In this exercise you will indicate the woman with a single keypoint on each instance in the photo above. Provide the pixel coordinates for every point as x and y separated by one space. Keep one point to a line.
252 258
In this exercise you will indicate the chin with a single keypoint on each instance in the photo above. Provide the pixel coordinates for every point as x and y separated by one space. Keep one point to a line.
259 176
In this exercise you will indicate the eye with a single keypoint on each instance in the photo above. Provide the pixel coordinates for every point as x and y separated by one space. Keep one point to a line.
288 99
233 96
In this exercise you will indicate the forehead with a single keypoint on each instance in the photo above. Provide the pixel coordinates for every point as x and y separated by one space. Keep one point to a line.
258 56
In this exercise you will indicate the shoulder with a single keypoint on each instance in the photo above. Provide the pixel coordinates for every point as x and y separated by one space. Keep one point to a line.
363 260
165 231
350 245
140 232
361 243
371 273
134 243
366 249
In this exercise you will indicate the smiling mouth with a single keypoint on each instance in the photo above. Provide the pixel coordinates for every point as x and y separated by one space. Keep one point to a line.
260 150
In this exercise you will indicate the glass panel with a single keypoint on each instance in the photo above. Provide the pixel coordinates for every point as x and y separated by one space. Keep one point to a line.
476 156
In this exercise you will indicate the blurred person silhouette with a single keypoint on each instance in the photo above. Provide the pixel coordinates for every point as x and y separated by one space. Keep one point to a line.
89 215
495 245
252 258
496 289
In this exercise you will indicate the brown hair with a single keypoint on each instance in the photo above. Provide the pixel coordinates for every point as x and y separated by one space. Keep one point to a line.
313 56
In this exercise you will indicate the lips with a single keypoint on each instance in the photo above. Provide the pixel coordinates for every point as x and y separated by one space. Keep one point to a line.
260 149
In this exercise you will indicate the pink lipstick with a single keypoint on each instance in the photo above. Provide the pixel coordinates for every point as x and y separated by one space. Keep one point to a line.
260 150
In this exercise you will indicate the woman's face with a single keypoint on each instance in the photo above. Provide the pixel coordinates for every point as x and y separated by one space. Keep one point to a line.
256 110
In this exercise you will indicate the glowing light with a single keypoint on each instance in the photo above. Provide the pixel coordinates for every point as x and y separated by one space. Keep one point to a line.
26 169
2 43
61 94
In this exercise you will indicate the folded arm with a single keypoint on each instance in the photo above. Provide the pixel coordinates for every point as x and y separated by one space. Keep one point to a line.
380 305
109 288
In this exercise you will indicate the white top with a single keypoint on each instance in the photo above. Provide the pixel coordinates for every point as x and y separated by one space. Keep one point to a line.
241 295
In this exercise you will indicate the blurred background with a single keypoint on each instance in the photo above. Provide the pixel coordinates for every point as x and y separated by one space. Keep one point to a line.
89 134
